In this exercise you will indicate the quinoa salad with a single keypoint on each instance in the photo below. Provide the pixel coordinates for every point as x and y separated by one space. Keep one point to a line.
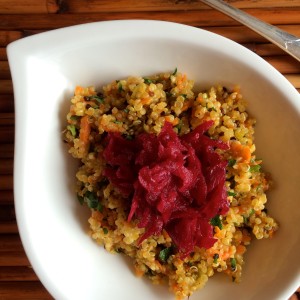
171 177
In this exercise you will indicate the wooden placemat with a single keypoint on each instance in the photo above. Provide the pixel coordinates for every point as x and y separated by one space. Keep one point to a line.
21 18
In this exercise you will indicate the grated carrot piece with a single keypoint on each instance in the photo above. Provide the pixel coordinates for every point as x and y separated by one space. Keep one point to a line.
240 151
78 90
173 121
85 130
146 101
186 105
240 249
139 272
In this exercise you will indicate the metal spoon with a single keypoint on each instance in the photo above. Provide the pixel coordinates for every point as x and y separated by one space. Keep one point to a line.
286 41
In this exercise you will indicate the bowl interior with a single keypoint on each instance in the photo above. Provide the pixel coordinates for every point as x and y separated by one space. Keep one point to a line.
53 226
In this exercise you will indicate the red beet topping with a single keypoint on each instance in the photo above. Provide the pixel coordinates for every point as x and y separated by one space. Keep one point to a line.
174 183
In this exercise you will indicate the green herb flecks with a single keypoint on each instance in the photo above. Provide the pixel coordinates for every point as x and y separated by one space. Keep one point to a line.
147 80
231 162
117 122
120 87
96 98
91 199
246 218
216 257
72 129
212 109
229 193
184 96
165 254
179 126
216 221
105 230
74 118
255 168
233 264
175 72
99 207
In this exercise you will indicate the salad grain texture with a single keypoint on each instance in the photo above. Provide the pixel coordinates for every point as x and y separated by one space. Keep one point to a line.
138 105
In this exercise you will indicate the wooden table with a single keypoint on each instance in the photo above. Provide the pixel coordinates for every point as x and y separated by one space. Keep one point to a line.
21 18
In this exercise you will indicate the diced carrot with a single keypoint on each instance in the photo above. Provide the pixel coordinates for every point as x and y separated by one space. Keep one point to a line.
180 80
240 249
218 232
138 272
246 238
186 105
176 121
146 101
210 252
240 151
173 121
97 215
85 130
78 90
199 98
112 127
227 254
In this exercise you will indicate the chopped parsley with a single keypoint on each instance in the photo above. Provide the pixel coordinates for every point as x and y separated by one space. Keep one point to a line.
72 129
99 207
74 118
233 264
175 72
255 168
97 98
120 87
231 162
147 80
251 212
179 126
246 219
105 230
184 96
165 254
212 108
216 256
91 199
229 193
216 221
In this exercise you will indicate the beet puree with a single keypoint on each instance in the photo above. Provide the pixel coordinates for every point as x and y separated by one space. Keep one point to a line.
171 182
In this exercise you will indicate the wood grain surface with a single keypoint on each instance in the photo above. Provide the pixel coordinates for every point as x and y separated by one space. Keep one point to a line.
22 18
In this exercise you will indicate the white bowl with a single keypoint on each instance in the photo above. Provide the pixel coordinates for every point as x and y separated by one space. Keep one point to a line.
45 70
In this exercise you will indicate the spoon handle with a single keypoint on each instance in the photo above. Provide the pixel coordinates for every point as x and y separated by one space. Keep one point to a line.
286 41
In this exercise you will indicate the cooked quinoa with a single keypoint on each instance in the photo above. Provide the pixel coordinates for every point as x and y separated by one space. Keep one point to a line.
135 105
